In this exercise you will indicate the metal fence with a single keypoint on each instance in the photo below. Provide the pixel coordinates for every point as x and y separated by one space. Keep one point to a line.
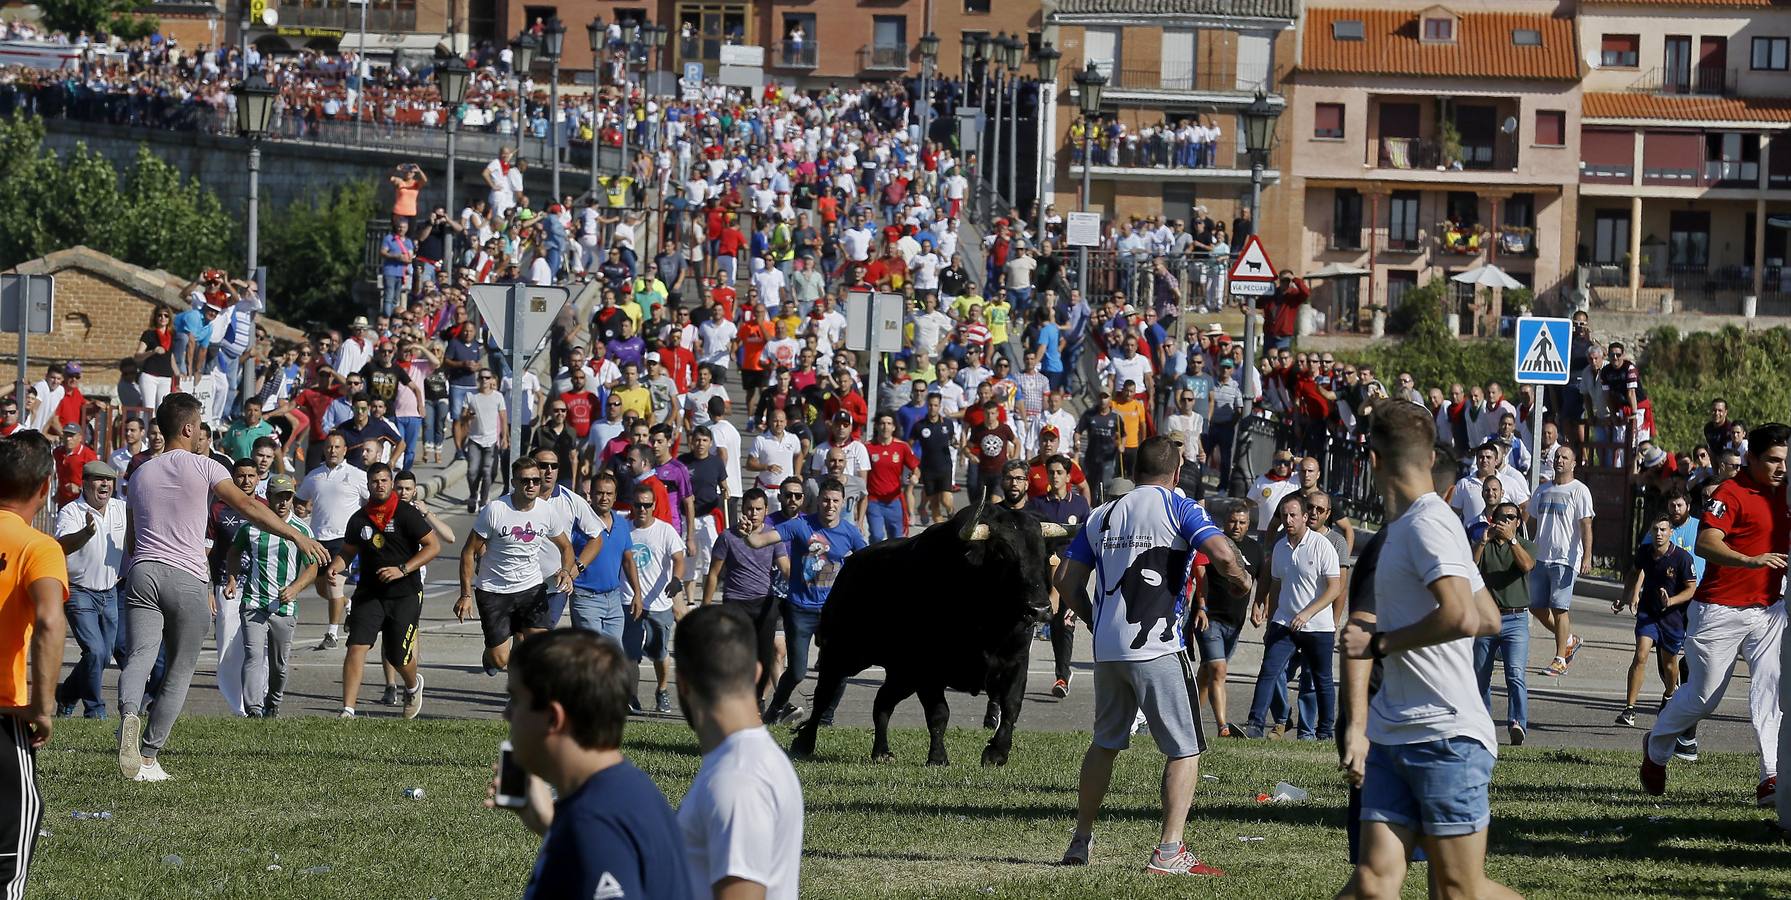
1188 283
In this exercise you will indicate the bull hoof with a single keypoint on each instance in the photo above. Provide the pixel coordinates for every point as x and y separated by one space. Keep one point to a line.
884 757
994 757
804 744
940 760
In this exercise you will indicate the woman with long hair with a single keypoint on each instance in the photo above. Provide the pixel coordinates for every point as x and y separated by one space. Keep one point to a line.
155 362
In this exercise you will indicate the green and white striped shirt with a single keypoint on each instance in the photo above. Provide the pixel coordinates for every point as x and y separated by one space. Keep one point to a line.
273 563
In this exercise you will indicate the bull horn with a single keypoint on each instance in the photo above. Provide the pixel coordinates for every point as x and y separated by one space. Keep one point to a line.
978 533
973 531
1053 530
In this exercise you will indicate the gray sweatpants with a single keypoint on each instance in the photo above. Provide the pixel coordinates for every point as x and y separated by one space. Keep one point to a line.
167 609
267 640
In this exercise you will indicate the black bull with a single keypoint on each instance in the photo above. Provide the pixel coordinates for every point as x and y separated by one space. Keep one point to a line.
944 609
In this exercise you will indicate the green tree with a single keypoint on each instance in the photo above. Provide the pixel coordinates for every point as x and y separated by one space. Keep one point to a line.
118 18
1428 350
167 223
1684 372
315 249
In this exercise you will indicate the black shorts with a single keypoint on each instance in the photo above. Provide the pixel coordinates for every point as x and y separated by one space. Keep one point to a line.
394 617
503 616
754 379
334 547
935 482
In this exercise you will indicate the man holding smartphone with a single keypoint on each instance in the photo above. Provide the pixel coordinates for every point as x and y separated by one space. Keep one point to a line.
610 832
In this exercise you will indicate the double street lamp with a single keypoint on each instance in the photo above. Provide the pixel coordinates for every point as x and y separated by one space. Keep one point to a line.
553 40
1046 58
451 77
254 117
1011 54
1090 84
523 48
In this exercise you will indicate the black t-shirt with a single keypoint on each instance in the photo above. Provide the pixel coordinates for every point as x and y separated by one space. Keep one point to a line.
393 546
158 365
935 440
1663 573
1223 604
1103 433
707 478
355 436
564 445
383 381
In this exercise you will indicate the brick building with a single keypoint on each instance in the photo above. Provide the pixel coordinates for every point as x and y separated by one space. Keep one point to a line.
102 307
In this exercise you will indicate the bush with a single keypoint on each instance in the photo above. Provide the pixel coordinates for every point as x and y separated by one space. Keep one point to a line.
1683 373
317 246
1434 356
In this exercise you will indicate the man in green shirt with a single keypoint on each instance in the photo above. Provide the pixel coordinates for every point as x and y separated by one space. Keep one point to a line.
239 441
1505 558
275 574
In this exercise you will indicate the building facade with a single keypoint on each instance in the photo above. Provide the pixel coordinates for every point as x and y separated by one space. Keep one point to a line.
1428 141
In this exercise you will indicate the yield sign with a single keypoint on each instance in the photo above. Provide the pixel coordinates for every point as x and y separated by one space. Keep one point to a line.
1253 263
536 308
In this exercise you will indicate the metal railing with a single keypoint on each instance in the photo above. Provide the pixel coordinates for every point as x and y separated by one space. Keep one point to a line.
1710 81
883 59
347 17
1188 77
1431 153
1716 290
788 54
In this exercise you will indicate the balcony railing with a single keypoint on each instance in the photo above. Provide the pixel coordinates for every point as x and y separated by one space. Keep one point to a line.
347 18
1187 77
1518 241
1718 171
1461 240
1709 81
883 59
793 54
1429 153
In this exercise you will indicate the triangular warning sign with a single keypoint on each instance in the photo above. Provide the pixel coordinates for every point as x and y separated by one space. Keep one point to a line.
1253 263
1543 357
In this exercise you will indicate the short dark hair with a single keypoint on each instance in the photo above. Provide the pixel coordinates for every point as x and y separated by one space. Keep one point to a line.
755 493
26 462
716 652
663 428
176 411
243 463
1158 457
1015 465
1768 436
587 674
1400 430
265 441
831 485
717 407
523 464
405 475
377 467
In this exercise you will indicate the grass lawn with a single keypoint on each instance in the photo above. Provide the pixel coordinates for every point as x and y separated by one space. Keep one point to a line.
323 801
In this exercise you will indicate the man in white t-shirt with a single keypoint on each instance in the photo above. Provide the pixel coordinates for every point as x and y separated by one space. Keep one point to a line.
330 494
1269 489
774 452
742 817
658 552
1422 749
727 443
509 593
1304 577
1561 524
1488 464
696 400
717 350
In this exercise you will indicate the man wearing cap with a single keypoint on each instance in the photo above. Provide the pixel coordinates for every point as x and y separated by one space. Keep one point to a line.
192 337
1038 472
1229 407
274 572
71 409
91 532
71 459
357 349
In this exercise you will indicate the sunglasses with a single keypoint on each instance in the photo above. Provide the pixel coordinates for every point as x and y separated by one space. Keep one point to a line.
550 466
529 482
790 496
1505 518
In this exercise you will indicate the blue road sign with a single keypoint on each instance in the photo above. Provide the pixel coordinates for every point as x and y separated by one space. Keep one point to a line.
1540 356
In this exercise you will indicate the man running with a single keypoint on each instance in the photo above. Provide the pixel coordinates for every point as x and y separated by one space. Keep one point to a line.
599 593
91 532
658 599
1659 589
394 542
274 574
933 438
744 574
1070 509
329 495
510 593
1219 618
1736 612
224 525
1561 519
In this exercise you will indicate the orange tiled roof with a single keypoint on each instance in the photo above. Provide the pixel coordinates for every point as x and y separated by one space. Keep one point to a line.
1483 47
1613 105
1712 4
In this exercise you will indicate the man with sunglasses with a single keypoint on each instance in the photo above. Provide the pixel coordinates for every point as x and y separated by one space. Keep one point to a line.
509 593
1505 557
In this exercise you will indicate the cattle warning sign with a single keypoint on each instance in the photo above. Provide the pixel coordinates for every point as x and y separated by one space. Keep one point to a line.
1252 274
1541 350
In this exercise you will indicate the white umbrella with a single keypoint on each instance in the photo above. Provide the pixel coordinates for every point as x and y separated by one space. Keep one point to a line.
1337 270
1487 276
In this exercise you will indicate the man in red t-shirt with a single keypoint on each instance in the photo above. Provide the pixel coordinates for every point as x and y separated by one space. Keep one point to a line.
1038 478
1281 310
1736 612
728 245
892 466
581 404
989 448
74 403
70 458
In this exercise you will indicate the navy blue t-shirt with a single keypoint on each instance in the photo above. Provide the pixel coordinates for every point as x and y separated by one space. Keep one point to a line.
1663 573
615 836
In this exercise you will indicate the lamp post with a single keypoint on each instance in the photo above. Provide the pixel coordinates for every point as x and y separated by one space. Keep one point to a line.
451 76
360 74
254 114
929 58
1046 58
595 33
1259 138
522 60
1011 53
1089 83
553 40
997 57
979 63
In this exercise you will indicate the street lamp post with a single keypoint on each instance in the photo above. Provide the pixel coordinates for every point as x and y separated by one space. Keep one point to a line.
1259 138
1090 83
595 33
522 60
553 40
451 76
360 74
254 115
1011 54
1047 58
980 63
929 58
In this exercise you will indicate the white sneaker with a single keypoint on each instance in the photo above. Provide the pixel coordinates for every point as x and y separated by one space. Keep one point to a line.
130 746
152 771
347 713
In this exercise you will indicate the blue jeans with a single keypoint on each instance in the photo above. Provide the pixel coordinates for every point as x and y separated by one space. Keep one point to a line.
227 362
391 291
436 420
457 395
1437 787
599 611
799 631
411 429
1307 728
1315 648
93 618
885 518
1512 643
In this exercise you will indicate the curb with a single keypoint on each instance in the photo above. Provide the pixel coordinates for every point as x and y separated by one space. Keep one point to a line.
452 473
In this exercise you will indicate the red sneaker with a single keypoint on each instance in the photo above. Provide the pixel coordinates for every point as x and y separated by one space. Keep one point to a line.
1181 862
1767 793
1654 775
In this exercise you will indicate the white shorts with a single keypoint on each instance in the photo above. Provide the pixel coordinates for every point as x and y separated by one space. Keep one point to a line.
705 532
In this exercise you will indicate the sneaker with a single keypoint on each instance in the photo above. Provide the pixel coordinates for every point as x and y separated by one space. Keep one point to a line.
390 696
1627 718
329 642
1253 732
662 701
346 713
1556 667
151 770
1767 794
1573 647
1181 862
64 710
272 711
1654 775
1061 688
1080 849
1517 734
789 715
634 705
253 712
1231 730
130 746
413 700
1685 749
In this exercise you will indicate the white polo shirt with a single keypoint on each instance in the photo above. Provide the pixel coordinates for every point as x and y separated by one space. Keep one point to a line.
334 494
1302 571
95 565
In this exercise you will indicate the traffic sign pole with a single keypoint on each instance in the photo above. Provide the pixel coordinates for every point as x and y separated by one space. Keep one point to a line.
1538 359
1252 275
514 401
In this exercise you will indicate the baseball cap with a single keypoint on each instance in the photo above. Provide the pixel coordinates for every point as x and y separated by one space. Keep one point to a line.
72 428
71 369
281 484
1048 431
99 469
1227 364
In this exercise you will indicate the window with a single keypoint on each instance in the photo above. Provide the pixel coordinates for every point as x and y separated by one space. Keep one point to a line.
1176 67
1770 53
1402 221
1610 243
1526 37
1399 283
1551 127
1101 47
1620 51
1463 208
1347 30
1439 29
1346 220
1688 240
1327 121
976 7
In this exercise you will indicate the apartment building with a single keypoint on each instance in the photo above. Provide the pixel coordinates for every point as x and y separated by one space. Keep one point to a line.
1685 174
1169 61
1428 140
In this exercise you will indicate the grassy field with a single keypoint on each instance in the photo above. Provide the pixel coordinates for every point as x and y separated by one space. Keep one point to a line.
316 808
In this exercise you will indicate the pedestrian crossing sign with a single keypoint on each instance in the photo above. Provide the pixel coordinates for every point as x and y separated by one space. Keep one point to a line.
1541 351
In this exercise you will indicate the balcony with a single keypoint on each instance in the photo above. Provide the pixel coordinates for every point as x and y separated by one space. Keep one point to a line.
793 55
1731 173
1188 78
1478 154
1705 81
883 59
1709 289
347 17
1518 241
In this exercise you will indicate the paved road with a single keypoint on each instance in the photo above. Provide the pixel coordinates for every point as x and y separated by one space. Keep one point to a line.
1573 711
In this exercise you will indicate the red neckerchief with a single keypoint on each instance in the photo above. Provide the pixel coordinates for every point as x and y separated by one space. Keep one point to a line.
380 514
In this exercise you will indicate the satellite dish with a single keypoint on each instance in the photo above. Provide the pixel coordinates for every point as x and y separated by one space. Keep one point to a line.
270 17
1592 58
1510 126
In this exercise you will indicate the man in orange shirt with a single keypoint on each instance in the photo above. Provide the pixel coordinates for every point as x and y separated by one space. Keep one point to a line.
1130 408
33 587
755 371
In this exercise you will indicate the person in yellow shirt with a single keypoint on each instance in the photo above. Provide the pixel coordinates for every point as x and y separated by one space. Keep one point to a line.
636 399
996 313
1130 408
960 305
33 588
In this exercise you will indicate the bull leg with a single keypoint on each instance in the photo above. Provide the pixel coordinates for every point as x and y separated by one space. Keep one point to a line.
932 697
831 681
1011 694
895 689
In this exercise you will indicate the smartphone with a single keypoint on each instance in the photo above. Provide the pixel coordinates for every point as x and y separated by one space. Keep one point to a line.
513 782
